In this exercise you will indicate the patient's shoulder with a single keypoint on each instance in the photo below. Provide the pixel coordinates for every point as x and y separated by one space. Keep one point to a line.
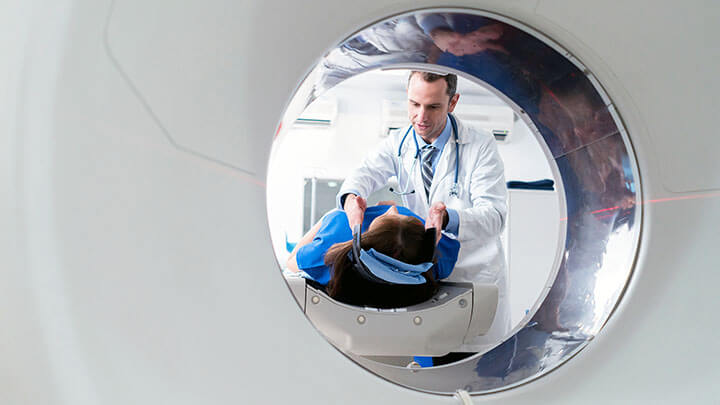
334 219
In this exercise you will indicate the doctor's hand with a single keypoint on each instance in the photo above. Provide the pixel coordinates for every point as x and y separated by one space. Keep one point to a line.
355 209
437 218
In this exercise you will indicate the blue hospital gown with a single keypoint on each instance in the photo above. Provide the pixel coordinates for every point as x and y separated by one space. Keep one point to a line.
335 228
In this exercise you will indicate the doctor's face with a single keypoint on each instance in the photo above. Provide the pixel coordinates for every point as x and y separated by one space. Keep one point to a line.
428 106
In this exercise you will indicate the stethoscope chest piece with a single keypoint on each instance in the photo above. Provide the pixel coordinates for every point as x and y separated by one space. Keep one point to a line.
454 191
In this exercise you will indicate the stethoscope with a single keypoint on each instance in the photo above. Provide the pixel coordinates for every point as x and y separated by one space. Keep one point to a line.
454 189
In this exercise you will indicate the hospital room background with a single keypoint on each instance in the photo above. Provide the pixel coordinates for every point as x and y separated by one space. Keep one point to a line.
310 160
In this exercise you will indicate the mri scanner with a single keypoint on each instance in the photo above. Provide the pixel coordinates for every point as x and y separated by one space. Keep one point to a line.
136 261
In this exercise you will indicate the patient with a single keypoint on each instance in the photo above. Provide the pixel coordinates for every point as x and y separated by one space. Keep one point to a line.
410 257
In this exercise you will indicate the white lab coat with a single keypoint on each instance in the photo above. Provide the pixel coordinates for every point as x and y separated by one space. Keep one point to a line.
481 205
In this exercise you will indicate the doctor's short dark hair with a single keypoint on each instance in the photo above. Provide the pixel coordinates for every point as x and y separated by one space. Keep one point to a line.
403 238
450 80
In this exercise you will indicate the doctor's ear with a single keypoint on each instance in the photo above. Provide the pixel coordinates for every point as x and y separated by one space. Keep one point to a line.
453 102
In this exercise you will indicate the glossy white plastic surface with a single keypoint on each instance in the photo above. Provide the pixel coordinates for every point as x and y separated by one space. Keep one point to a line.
135 271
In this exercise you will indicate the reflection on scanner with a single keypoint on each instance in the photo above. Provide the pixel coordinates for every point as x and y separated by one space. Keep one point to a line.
456 314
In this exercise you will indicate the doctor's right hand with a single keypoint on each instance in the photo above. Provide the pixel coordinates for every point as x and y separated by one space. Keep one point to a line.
437 218
355 209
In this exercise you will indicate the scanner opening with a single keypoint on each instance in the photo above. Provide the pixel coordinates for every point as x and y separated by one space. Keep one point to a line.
585 142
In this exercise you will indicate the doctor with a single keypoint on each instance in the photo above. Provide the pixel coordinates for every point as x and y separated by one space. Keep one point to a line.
452 175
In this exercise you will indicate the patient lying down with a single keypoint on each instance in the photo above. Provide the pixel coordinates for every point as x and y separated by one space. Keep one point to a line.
397 264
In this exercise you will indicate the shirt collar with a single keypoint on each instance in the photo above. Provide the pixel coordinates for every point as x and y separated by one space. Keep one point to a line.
441 140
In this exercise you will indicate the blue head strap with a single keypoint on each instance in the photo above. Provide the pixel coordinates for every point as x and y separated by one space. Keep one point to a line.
379 268
393 270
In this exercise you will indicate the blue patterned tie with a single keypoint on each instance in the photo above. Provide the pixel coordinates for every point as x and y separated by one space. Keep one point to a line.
428 152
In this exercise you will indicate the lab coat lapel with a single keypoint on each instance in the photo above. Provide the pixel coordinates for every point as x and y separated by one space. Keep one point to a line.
446 164
444 168
419 195
411 177
421 206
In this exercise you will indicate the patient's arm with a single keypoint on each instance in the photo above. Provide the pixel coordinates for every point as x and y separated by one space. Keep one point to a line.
447 249
446 253
307 238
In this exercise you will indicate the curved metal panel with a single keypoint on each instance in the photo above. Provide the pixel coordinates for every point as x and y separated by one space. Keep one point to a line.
541 82
595 163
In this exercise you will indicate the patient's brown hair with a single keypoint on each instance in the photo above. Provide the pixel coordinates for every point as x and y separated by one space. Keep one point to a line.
403 238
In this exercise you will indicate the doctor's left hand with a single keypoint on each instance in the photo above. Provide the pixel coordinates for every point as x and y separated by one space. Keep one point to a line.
437 218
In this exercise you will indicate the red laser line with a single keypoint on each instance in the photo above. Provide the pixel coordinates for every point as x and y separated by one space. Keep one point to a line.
653 201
